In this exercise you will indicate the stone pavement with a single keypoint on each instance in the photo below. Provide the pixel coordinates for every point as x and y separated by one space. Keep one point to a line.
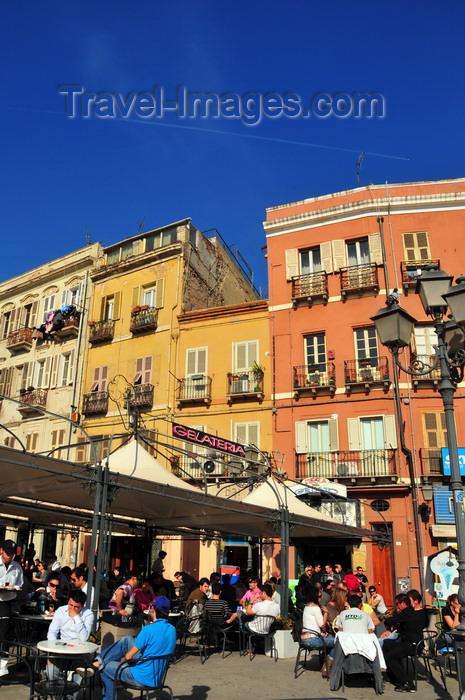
238 678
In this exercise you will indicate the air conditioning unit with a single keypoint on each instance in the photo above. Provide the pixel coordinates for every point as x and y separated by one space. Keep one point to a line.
347 469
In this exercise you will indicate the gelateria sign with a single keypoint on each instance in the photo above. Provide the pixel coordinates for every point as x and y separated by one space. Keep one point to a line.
205 440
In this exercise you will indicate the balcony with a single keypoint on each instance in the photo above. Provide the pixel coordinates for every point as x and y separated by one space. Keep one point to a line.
101 332
411 270
314 379
20 340
143 395
431 461
144 318
431 378
245 385
95 402
309 288
70 328
196 388
358 279
368 373
351 465
35 399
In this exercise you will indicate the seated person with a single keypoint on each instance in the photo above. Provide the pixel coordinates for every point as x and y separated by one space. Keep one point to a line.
450 620
355 620
253 594
163 586
143 596
123 600
157 639
73 621
410 627
217 609
376 601
199 594
264 606
228 592
51 597
314 622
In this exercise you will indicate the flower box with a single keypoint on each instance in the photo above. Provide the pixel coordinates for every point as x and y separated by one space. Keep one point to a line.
284 643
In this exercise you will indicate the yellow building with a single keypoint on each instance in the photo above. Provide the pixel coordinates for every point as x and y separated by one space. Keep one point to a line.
132 368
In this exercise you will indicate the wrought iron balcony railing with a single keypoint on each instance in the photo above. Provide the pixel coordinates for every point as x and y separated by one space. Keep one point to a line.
350 464
433 377
369 371
143 319
245 383
431 461
101 331
315 377
311 286
359 278
33 398
194 388
411 270
143 395
19 340
95 402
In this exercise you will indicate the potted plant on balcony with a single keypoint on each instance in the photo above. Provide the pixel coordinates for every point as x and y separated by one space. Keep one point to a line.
136 310
258 372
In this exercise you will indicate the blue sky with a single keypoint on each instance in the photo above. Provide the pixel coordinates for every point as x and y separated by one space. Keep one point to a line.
62 175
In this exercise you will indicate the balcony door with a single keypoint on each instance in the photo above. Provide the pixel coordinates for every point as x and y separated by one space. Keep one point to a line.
315 353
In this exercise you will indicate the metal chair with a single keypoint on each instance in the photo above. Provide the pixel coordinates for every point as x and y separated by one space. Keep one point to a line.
160 669
425 650
192 628
218 630
265 627
322 656
52 676
21 671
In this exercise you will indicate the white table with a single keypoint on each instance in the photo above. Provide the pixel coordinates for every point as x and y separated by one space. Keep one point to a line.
56 646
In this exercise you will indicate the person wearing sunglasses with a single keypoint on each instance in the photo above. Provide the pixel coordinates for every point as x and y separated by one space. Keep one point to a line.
51 597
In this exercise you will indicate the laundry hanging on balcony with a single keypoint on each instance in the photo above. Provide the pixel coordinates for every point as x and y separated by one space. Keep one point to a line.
54 322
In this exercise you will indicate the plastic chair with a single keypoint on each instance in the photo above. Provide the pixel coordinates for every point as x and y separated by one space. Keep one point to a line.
162 669
265 627
322 656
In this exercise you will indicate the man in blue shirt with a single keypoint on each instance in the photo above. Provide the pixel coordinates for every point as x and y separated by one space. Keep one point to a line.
156 639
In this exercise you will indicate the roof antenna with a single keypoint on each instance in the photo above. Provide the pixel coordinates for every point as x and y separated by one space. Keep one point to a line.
141 225
358 166
88 241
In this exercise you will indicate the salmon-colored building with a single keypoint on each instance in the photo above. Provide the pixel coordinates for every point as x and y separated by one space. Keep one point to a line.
340 410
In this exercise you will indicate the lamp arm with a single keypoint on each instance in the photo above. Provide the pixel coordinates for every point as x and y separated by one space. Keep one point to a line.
417 368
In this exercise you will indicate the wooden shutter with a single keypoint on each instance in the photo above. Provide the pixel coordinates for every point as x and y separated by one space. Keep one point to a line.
54 371
292 263
191 361
137 379
390 433
14 314
241 356
416 246
104 378
326 257
81 450
333 435
30 374
241 433
159 293
103 308
376 252
34 311
147 370
116 306
71 367
253 438
202 360
434 424
95 386
339 254
46 375
135 297
354 433
301 437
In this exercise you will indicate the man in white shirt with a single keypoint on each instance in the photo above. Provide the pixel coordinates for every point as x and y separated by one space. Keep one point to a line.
11 574
264 606
72 621
355 620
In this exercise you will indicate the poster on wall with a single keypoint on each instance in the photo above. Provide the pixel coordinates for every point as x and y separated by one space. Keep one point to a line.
441 574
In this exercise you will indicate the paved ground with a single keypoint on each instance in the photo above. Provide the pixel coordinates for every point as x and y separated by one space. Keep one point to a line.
238 678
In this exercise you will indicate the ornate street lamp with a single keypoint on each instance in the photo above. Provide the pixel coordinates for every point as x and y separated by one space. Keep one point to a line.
437 294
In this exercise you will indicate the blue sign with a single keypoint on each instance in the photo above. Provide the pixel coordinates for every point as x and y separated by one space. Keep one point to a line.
444 511
446 461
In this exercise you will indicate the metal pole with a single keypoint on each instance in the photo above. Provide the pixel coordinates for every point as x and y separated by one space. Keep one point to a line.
284 561
447 390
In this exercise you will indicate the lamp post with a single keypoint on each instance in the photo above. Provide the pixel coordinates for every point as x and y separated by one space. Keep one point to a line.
394 327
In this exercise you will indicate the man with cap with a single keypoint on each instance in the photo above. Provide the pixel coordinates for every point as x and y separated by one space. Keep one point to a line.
11 574
158 638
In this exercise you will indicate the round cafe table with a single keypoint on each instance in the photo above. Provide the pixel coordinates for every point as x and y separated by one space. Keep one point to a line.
57 646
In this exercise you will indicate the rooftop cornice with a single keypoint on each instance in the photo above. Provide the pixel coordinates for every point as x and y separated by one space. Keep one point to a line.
137 261
367 207
248 307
